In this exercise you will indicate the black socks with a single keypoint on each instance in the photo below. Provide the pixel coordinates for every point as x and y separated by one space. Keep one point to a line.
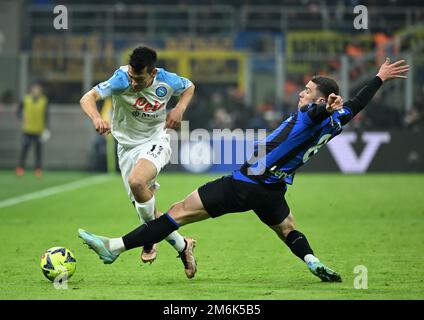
151 232
298 244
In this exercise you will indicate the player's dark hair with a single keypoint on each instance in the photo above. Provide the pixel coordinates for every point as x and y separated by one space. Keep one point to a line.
143 57
325 85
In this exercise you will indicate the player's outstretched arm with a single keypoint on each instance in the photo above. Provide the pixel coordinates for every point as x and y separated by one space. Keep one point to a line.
387 71
88 104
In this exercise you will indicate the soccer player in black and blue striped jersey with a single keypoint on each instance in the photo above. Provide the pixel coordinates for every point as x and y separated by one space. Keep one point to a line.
260 184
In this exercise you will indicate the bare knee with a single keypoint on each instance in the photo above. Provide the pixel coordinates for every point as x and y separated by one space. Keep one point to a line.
285 227
140 189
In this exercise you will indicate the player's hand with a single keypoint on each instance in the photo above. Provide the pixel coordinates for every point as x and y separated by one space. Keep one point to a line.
395 70
102 126
174 118
334 103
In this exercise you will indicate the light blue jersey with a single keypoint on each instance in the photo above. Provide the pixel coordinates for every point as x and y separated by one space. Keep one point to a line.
139 116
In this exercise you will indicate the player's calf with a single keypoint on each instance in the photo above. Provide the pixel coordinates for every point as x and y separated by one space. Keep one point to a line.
140 189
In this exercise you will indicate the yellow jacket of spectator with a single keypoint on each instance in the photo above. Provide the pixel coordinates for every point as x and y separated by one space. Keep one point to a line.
34 114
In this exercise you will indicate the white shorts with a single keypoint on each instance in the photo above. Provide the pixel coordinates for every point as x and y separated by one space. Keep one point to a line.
157 151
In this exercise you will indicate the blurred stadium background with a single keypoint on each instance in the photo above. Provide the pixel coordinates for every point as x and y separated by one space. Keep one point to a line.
249 60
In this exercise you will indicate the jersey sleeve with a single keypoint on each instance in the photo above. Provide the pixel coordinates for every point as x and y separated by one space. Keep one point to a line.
177 83
344 115
318 113
311 114
117 83
361 99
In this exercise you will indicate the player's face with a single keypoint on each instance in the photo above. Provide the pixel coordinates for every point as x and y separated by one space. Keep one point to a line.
36 90
140 81
310 95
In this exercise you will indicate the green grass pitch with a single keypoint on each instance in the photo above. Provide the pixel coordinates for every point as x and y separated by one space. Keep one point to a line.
370 220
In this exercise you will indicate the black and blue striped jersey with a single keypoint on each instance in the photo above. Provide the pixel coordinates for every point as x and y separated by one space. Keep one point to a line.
299 137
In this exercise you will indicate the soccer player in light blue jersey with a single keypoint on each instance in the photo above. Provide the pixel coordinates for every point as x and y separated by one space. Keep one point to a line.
140 93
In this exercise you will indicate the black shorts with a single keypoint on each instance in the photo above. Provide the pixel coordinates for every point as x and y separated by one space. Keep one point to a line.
227 195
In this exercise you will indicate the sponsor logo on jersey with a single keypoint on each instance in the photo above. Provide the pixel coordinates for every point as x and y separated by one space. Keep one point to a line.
145 115
161 92
142 104
279 174
104 85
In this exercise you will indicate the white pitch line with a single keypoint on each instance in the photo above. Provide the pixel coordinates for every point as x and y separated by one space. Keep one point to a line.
54 190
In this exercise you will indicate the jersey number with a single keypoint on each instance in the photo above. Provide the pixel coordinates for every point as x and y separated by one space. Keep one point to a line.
312 150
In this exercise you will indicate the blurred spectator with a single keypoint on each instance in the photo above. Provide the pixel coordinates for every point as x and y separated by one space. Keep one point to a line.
270 114
293 86
288 106
384 46
273 119
356 53
258 121
217 100
380 115
358 122
414 119
221 119
33 111
267 105
7 97
240 111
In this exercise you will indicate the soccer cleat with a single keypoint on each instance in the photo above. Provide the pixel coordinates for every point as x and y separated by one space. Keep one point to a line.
149 254
323 272
98 244
19 171
187 257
